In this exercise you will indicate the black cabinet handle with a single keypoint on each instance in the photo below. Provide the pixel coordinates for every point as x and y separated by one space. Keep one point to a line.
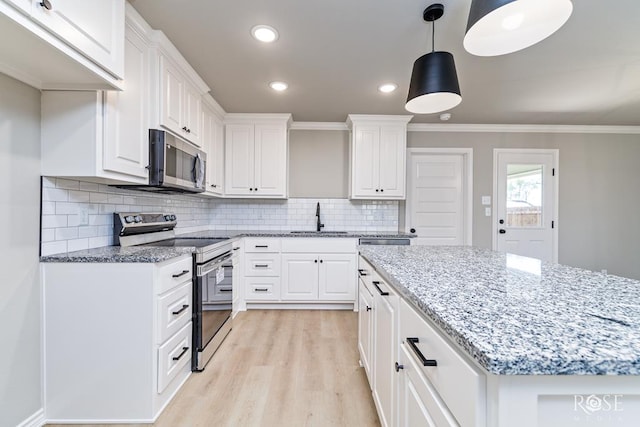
425 362
377 190
261 290
214 185
175 276
184 350
184 307
383 293
315 260
382 190
262 246
362 272
368 308
501 221
502 231
235 249
398 367
321 261
225 290
184 128
412 230
188 130
261 265
46 4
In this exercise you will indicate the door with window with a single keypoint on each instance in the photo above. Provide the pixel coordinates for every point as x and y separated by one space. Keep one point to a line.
525 203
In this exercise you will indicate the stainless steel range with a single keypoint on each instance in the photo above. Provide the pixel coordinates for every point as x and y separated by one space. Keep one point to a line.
212 283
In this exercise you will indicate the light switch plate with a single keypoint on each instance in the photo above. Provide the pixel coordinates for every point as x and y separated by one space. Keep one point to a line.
486 200
487 211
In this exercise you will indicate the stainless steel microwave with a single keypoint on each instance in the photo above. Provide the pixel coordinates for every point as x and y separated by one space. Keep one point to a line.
175 166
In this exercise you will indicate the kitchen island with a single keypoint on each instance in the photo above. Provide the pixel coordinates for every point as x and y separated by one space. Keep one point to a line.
544 337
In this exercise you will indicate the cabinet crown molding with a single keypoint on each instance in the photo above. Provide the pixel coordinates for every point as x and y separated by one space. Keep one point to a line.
377 118
231 118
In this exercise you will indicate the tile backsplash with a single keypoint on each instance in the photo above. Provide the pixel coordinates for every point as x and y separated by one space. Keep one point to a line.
79 215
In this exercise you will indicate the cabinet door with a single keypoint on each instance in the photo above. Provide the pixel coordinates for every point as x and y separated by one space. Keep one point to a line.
364 168
299 277
365 329
212 138
239 154
337 277
95 28
23 5
171 88
385 355
126 145
270 160
392 161
192 106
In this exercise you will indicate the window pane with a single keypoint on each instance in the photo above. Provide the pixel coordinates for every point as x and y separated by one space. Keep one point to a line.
524 195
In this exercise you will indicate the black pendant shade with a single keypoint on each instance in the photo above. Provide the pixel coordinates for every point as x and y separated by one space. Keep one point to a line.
498 27
434 82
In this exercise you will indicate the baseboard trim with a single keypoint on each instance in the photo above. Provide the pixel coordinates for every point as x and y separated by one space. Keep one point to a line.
35 420
299 306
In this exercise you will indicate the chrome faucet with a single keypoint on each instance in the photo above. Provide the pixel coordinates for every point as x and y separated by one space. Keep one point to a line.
318 224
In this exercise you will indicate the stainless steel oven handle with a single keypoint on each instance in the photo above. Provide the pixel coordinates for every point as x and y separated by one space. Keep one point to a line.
212 265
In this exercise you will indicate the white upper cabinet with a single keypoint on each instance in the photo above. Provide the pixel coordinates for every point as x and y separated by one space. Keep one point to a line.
63 44
212 138
256 155
378 159
110 138
180 102
96 28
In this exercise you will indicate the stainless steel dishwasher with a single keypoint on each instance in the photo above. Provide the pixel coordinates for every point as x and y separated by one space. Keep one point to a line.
401 241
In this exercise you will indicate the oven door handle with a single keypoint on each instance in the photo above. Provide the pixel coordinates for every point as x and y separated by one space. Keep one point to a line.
213 265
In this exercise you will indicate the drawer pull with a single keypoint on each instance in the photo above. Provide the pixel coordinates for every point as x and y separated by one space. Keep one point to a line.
368 308
261 290
362 272
175 276
425 362
184 307
182 353
262 246
261 265
224 290
398 367
235 249
383 293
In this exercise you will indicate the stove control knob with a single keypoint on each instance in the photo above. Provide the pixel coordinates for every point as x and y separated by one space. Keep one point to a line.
138 218
173 217
167 217
128 219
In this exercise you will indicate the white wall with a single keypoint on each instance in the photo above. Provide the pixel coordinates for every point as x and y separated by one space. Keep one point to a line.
20 311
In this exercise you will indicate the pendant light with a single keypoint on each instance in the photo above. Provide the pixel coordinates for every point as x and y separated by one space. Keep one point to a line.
498 27
434 82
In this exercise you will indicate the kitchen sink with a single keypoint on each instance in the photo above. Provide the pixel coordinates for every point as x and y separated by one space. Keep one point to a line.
318 232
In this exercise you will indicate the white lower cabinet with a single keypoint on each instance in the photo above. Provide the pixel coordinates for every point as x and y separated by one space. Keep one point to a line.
117 339
365 328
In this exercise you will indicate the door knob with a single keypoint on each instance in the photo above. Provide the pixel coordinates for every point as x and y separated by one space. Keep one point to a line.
502 231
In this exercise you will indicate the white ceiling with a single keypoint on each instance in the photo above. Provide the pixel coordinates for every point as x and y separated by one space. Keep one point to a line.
335 53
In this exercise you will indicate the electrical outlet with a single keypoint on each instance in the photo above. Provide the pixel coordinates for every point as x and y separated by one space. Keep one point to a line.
487 211
83 216
486 200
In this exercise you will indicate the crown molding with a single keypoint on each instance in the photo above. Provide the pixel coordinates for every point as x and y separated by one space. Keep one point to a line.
318 126
498 128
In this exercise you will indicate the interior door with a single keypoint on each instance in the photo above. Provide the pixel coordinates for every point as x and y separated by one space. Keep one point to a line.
436 198
525 197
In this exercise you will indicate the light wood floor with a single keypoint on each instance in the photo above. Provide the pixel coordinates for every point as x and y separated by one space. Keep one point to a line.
280 368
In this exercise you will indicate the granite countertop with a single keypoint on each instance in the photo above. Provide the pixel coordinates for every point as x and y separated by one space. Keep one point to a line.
516 315
307 233
132 254
150 253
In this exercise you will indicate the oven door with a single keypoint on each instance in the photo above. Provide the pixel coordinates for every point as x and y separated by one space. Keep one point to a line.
212 302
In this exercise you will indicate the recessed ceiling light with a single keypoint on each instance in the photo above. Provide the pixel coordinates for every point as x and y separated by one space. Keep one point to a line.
387 87
264 33
279 86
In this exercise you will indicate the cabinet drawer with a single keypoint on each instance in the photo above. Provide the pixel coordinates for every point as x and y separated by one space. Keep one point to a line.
460 384
174 311
262 288
257 244
365 272
262 265
319 244
173 355
420 404
174 274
